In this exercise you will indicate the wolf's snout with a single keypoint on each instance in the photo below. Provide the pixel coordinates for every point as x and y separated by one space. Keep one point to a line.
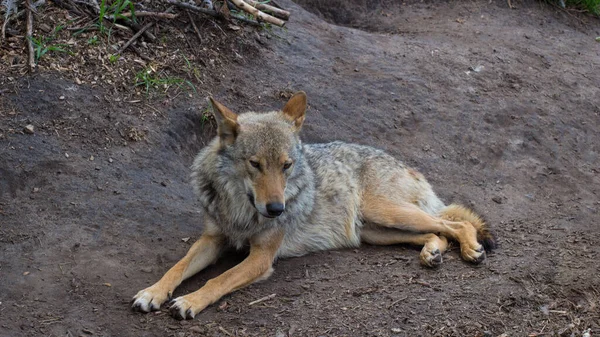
275 208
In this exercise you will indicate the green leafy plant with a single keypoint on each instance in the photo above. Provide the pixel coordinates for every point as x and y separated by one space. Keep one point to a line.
592 6
150 79
93 40
43 44
113 11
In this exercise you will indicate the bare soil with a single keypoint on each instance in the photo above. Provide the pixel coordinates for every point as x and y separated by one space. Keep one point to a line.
499 108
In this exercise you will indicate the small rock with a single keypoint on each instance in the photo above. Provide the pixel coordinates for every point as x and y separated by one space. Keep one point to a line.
146 270
29 129
61 98
196 329
356 69
45 28
110 160
396 330
185 239
163 183
497 200
91 158
476 69
78 81
66 155
36 189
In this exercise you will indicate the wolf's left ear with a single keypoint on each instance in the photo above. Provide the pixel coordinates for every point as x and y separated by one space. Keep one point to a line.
295 109
227 125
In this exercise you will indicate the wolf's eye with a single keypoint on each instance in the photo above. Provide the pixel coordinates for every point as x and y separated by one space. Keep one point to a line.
287 165
255 164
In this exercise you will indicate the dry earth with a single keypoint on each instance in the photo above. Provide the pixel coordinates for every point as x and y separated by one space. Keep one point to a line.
498 107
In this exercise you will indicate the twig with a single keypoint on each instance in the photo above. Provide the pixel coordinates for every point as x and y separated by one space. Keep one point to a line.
210 12
280 13
134 37
195 8
258 14
262 299
423 283
160 15
29 36
70 6
195 27
147 34
396 302
10 18
225 331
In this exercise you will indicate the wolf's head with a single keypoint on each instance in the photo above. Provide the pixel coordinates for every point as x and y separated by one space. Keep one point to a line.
264 149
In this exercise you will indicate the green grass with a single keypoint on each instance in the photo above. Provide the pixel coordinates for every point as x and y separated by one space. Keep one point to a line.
150 79
592 6
207 113
114 10
43 44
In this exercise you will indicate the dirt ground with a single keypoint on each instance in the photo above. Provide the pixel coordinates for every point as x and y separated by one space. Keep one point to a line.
499 108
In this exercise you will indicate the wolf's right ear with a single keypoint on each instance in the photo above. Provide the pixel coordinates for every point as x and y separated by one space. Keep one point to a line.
227 125
295 109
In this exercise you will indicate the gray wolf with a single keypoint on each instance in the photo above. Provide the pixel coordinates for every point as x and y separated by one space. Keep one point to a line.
261 187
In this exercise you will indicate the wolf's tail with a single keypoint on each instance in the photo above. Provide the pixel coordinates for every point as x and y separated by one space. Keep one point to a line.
455 212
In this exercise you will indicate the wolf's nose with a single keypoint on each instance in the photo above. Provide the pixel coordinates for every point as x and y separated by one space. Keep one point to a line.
275 208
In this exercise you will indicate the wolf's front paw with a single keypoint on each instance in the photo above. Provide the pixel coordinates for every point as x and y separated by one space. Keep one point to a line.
150 299
431 258
473 254
187 307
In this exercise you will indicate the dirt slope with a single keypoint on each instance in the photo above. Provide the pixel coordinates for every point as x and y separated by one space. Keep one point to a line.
499 108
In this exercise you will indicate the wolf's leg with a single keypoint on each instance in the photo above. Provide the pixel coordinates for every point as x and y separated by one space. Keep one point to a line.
203 252
387 213
257 266
433 246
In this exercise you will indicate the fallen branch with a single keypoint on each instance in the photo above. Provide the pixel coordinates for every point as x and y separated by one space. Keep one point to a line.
260 16
280 13
195 27
160 15
211 12
10 7
29 36
134 37
262 299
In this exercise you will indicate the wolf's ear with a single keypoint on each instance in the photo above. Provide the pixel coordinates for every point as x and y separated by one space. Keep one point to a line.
227 125
295 109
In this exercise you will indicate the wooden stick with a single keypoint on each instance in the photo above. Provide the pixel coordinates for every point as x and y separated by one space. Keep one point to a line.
29 36
280 13
262 299
195 27
160 15
210 12
134 37
260 16
194 8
